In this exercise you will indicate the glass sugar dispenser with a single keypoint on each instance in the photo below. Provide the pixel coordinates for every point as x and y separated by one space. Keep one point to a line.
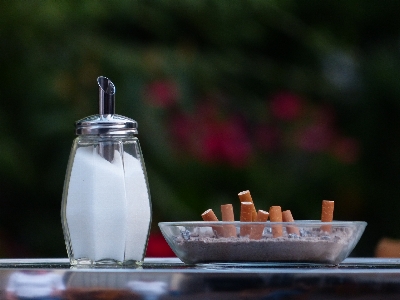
106 207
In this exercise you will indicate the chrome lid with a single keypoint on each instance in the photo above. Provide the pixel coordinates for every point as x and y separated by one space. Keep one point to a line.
106 122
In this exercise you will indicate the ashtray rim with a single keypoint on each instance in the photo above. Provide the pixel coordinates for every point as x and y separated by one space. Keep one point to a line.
297 222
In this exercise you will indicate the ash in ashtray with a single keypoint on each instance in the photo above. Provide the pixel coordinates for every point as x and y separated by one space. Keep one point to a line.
312 246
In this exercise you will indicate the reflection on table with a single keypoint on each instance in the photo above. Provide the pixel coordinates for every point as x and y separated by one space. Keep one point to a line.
355 278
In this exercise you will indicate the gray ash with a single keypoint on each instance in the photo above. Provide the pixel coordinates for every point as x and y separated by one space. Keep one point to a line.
310 247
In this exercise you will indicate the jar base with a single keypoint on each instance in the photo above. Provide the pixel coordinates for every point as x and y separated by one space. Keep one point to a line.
133 263
104 263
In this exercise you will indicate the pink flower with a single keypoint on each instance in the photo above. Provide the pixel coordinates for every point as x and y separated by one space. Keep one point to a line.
213 137
235 144
158 247
315 137
224 142
286 106
162 93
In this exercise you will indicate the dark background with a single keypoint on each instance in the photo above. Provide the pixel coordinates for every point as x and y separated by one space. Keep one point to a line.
297 101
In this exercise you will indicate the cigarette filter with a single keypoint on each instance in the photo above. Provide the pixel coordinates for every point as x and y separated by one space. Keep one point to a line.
227 213
209 216
246 212
275 215
246 197
287 217
257 230
327 214
228 216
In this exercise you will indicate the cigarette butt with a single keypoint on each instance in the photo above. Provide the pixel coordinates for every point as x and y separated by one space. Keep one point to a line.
228 216
275 215
246 197
246 212
327 214
262 216
227 213
327 210
257 230
209 216
287 217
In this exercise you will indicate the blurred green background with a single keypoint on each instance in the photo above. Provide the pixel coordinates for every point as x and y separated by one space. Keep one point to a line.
296 101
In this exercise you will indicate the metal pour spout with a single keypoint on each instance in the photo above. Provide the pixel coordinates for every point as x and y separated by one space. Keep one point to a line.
106 96
106 107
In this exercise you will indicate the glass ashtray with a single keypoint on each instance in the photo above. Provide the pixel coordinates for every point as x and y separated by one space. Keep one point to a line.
257 242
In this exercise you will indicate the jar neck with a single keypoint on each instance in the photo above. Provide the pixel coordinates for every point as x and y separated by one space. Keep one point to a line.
101 137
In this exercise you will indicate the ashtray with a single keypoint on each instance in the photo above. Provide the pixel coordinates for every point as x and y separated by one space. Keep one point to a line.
298 242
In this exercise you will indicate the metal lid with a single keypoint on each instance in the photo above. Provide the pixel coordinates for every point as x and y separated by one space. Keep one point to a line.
106 122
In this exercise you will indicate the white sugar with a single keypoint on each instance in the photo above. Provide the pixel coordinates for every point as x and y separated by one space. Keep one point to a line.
108 208
138 209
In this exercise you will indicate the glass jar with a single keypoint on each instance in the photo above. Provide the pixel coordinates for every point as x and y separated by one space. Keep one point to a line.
106 208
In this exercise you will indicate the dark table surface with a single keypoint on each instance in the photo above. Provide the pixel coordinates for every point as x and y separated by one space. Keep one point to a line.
169 278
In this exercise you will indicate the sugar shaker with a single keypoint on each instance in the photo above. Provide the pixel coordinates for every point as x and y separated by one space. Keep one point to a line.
106 206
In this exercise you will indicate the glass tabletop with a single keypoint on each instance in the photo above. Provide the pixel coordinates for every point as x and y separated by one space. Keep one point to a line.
169 278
